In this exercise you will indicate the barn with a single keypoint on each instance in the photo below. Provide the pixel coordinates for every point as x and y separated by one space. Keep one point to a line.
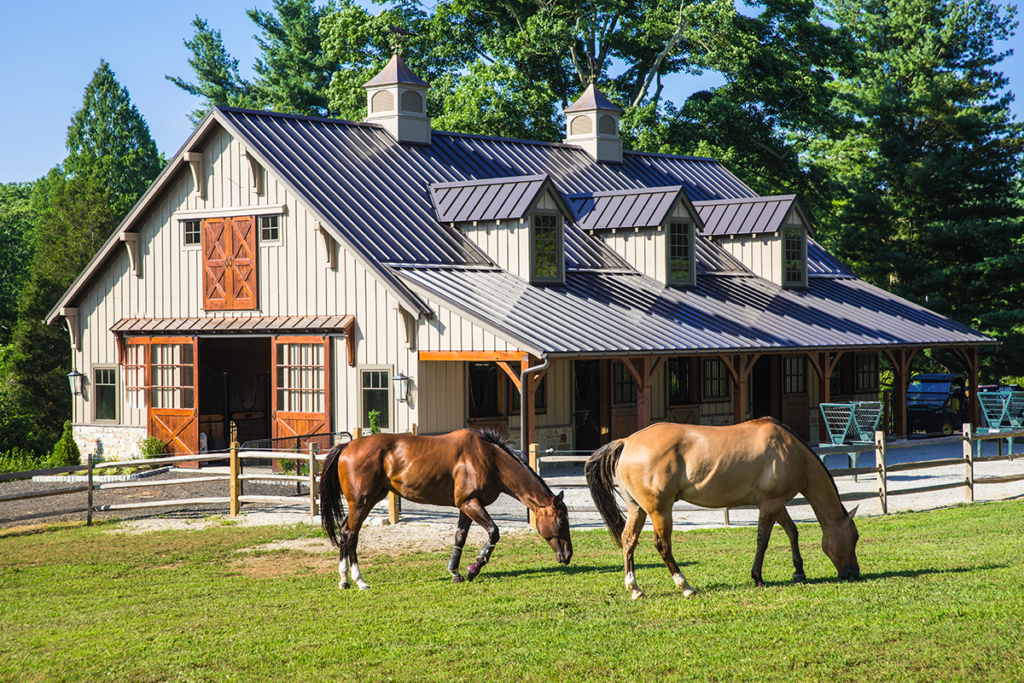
288 275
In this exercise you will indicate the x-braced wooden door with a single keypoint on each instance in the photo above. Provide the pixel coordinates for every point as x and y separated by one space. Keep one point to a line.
300 385
161 375
229 264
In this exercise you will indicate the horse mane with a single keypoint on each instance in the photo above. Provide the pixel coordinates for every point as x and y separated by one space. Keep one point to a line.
495 437
813 454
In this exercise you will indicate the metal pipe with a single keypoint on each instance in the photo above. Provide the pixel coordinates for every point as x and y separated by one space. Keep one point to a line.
522 400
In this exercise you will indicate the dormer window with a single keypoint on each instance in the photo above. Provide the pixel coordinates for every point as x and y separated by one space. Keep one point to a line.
546 248
794 245
680 253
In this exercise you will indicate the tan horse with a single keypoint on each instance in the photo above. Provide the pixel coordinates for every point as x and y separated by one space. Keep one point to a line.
760 463
467 469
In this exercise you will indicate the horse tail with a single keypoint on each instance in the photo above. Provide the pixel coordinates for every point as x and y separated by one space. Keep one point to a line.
331 512
600 471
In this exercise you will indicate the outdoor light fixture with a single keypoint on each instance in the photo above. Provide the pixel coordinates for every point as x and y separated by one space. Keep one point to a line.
401 386
76 380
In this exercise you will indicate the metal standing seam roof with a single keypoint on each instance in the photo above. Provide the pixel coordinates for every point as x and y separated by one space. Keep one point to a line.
494 199
747 216
624 208
233 324
613 313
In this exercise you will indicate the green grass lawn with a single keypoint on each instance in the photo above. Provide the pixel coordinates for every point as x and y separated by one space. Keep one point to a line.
941 599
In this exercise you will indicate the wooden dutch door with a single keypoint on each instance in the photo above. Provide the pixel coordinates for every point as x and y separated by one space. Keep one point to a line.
161 376
229 264
300 385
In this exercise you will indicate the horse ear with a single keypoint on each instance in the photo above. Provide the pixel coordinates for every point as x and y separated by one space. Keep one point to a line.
852 513
560 496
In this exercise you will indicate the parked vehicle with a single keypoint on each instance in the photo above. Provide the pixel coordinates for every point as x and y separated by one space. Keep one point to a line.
936 403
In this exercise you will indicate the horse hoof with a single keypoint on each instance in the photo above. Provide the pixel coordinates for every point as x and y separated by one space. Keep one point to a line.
344 585
471 571
457 579
364 587
689 592
638 594
759 584
799 578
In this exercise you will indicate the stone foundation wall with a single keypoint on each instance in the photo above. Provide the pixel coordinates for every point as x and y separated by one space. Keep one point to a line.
110 442
558 437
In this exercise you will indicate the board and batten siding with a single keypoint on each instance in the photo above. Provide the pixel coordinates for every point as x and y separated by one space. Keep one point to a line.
293 280
763 253
644 248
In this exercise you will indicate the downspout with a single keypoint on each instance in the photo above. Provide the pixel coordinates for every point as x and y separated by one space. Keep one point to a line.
522 401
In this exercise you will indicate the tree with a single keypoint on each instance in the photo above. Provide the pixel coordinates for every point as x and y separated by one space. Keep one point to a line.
17 220
928 206
108 137
216 72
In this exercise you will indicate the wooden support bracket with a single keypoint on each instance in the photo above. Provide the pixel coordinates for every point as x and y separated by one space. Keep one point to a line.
255 171
195 163
131 243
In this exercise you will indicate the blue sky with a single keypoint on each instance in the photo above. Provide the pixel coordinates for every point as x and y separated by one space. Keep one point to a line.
51 49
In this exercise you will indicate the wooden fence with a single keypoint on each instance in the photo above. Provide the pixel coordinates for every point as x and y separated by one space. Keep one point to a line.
236 477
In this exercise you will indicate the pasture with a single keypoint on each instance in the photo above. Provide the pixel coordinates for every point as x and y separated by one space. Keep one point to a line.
941 598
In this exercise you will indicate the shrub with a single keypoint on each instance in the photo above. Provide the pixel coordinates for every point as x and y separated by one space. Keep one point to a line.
150 447
65 451
374 418
18 460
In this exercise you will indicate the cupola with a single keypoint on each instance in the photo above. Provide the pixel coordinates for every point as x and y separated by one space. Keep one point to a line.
592 122
396 98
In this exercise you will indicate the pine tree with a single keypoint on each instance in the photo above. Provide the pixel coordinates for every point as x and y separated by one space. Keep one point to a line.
17 219
927 205
217 76
108 137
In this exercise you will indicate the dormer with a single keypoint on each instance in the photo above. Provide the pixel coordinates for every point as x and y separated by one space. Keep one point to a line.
519 222
592 122
654 229
767 234
396 98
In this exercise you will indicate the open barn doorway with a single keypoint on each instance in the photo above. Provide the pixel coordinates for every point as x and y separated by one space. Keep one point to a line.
234 390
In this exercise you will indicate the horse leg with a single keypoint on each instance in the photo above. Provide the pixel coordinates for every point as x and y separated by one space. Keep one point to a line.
343 534
662 522
476 512
630 537
460 540
765 522
357 513
786 522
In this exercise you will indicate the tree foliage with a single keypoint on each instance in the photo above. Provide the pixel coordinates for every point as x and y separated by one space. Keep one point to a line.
17 219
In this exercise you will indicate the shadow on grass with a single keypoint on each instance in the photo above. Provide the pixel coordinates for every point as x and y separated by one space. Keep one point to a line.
573 570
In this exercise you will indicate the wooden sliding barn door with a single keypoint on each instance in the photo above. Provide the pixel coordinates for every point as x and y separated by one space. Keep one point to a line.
161 375
300 384
229 264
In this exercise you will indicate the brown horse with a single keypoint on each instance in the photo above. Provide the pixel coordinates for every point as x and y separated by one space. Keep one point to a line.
760 463
467 469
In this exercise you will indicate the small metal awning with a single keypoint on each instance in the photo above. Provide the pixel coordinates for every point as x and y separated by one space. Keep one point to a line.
275 324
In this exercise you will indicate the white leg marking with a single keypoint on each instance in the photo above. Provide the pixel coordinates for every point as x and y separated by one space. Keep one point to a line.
633 586
358 577
343 572
683 585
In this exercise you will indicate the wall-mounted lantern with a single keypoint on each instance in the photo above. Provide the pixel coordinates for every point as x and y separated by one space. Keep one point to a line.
401 386
77 381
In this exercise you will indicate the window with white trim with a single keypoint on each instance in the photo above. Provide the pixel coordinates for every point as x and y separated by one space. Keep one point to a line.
375 394
192 233
546 255
270 228
680 253
794 246
104 393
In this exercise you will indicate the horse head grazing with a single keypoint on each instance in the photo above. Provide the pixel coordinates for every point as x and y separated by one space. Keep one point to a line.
839 542
553 527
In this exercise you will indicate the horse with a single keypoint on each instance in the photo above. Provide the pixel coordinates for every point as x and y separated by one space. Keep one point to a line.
467 469
760 462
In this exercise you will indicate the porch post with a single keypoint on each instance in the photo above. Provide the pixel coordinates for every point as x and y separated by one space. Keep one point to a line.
971 356
901 361
526 407
643 394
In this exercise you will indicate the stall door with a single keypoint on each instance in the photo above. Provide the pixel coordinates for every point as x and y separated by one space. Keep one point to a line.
301 381
161 374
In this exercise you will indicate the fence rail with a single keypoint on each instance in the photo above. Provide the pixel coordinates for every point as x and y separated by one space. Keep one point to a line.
313 457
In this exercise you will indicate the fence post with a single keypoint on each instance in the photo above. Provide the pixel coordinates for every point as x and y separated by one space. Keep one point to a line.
883 485
235 505
314 488
968 464
534 451
357 433
88 467
725 514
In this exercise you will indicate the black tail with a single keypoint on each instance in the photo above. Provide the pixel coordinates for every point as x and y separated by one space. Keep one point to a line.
331 511
600 471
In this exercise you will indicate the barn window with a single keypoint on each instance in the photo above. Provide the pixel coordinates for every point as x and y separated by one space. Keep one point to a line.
625 390
515 399
794 257
546 248
678 381
300 378
375 394
680 253
483 390
104 390
716 380
269 229
795 376
867 372
193 234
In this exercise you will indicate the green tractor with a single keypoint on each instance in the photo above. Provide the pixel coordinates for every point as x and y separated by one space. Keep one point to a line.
936 404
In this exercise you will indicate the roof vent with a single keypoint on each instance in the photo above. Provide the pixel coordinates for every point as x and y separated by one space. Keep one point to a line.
594 112
396 83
